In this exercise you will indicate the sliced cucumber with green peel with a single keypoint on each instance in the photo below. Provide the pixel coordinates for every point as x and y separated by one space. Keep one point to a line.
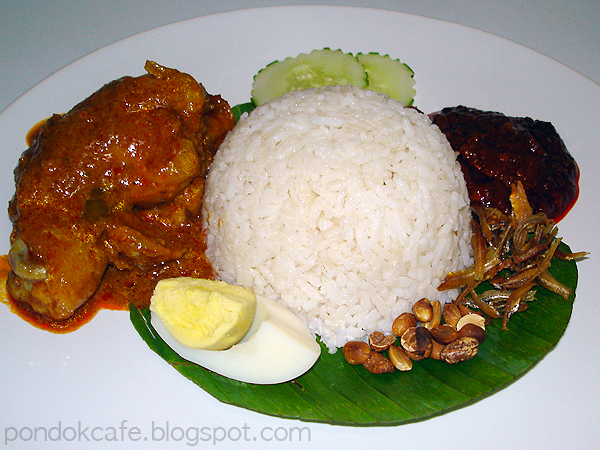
333 67
389 76
315 69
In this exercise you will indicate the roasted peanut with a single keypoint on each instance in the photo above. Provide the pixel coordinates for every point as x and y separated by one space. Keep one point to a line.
444 334
451 314
436 350
423 310
417 342
472 330
436 315
399 358
402 323
356 352
415 356
460 350
380 342
377 363
471 318
422 335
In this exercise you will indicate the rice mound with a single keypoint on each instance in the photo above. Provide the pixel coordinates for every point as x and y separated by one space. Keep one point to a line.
341 204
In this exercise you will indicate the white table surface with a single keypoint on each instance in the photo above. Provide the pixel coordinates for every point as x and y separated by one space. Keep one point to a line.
39 37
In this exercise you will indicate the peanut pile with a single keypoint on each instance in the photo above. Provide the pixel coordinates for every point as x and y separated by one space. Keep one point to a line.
450 334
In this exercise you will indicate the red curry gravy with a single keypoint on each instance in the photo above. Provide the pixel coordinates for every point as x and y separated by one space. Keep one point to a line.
109 298
119 288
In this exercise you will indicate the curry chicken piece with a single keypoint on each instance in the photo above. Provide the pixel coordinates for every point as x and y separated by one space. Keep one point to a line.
114 185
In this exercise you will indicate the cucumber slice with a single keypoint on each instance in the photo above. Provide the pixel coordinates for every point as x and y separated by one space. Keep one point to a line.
316 69
389 76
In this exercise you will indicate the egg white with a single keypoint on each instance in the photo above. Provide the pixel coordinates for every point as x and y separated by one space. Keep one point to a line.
279 347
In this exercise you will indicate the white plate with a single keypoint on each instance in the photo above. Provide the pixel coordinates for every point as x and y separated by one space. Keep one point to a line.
102 384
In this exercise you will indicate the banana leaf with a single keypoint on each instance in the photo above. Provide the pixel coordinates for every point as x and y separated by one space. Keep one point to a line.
336 392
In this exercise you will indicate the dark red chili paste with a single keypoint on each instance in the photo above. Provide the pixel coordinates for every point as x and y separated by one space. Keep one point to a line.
497 150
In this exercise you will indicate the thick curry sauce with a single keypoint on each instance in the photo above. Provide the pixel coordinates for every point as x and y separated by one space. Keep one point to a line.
108 198
118 289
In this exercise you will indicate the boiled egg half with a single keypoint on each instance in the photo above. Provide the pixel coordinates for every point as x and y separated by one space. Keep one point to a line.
230 331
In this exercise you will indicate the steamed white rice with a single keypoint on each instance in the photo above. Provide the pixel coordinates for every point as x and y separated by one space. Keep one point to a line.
341 204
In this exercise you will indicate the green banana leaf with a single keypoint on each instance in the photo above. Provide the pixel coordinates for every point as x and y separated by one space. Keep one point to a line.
240 109
336 392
